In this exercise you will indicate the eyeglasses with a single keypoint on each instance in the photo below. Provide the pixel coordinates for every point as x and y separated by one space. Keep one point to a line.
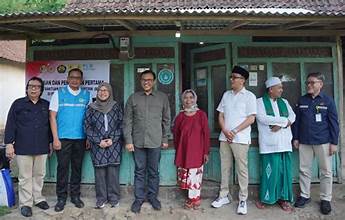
236 77
103 90
34 86
312 82
147 80
75 77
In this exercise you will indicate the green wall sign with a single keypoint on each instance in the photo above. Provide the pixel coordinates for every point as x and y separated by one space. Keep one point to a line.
165 76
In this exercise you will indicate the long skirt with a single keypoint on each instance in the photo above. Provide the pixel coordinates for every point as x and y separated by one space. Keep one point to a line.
276 178
190 179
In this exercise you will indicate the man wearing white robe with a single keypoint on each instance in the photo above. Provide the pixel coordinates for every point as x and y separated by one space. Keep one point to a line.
274 119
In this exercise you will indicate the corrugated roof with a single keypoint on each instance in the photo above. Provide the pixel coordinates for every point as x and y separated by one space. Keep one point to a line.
225 16
318 6
191 7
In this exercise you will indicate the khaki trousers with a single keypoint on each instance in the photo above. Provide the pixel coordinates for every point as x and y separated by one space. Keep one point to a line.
240 153
306 157
31 174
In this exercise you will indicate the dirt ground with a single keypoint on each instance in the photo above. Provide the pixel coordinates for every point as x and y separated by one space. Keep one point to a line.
173 210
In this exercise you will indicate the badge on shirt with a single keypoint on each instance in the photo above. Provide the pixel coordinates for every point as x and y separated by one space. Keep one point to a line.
303 106
318 117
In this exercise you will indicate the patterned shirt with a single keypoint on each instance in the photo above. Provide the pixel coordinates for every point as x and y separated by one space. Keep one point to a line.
96 131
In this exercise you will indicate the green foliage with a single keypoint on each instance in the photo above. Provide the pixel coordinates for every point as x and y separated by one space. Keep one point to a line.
12 6
4 210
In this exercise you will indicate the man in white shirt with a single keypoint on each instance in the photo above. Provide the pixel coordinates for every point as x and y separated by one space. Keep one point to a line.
274 119
237 111
67 112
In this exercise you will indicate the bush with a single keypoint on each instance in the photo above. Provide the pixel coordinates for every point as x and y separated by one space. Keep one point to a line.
12 6
4 210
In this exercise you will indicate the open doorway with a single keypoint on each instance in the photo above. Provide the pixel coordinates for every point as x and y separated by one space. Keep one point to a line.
205 68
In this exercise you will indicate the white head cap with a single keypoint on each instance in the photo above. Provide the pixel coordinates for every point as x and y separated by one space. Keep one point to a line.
272 81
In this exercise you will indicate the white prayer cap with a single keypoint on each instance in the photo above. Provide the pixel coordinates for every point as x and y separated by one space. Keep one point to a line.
272 81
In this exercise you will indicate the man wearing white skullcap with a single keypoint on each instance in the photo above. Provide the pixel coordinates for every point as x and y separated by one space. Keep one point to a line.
274 119
272 82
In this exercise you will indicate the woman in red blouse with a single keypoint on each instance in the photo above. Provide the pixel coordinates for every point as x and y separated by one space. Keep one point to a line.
192 143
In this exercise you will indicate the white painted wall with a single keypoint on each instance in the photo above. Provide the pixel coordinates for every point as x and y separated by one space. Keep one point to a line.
12 86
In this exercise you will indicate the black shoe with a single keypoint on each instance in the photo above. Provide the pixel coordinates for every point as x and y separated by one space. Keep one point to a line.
26 211
114 204
156 204
325 207
77 202
301 202
100 205
42 205
60 205
136 206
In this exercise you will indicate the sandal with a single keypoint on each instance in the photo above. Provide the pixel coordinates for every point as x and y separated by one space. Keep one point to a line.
192 203
196 203
259 205
188 204
285 206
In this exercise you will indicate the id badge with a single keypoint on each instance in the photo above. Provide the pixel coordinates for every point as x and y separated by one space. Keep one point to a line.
318 117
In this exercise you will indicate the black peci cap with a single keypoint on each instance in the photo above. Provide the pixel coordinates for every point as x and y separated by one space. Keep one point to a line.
243 72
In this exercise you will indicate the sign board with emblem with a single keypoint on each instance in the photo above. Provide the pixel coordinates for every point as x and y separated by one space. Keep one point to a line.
166 82
165 76
54 74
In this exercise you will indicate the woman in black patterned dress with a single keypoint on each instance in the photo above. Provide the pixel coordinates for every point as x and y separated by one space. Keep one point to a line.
103 126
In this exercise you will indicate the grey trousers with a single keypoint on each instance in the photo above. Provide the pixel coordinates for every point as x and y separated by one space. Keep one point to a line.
107 184
32 169
307 153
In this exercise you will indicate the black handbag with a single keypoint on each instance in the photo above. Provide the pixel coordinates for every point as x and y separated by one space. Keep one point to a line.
4 161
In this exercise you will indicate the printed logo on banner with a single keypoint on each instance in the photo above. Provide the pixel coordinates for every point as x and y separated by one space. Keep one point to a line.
54 74
88 67
47 69
61 69
43 69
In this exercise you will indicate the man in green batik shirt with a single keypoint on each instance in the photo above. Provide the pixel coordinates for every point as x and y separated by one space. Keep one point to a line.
274 119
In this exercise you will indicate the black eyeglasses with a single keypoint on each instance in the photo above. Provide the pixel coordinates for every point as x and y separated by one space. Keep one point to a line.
312 82
74 77
103 90
147 80
34 86
236 77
